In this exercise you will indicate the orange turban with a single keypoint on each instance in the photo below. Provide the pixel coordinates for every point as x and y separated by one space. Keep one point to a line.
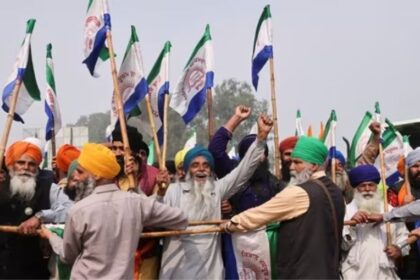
288 143
65 155
20 148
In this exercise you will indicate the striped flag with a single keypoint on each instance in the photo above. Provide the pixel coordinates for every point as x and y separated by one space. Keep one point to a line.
52 109
299 127
191 142
131 78
22 70
360 139
151 157
158 81
330 132
190 92
97 23
263 45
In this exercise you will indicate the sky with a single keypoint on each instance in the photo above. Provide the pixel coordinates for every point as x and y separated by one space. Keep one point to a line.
328 54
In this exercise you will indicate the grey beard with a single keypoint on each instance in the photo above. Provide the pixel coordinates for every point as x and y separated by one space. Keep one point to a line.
23 185
299 178
200 204
85 188
370 205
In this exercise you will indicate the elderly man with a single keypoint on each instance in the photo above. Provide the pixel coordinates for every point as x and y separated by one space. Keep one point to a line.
200 196
311 209
365 243
286 148
103 229
27 199
65 155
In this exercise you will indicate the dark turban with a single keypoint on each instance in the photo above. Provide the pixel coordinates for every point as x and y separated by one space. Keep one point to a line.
135 139
246 142
364 173
196 152
288 143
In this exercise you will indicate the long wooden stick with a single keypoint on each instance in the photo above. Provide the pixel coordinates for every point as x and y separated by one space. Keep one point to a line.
276 127
201 223
9 120
407 180
333 169
210 113
153 127
120 108
383 179
165 129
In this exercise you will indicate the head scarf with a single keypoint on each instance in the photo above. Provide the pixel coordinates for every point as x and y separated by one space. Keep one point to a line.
179 157
72 167
339 156
20 148
195 152
246 142
99 160
65 155
364 173
288 143
413 157
311 150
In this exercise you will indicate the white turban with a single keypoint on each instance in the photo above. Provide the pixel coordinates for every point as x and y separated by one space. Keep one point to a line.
413 157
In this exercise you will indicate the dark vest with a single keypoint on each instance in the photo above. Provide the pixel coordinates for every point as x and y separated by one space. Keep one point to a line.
21 256
307 246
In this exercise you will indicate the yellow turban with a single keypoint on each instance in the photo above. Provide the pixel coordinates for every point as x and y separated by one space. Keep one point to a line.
99 160
179 157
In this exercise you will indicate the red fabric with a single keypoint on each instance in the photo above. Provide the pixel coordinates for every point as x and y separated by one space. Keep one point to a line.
147 179
288 143
392 197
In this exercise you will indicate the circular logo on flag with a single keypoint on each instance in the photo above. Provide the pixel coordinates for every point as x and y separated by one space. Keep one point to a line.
195 76
92 25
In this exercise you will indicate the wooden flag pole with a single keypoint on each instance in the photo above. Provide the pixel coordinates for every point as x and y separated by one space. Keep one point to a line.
165 129
276 128
407 180
153 127
383 179
120 108
210 113
333 169
9 120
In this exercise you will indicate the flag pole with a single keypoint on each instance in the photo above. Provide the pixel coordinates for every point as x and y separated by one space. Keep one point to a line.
210 113
120 109
276 128
383 179
9 120
165 129
153 127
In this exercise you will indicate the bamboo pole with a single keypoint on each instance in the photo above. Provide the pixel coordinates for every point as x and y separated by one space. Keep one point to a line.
153 127
165 129
210 113
383 179
407 179
120 108
276 128
333 169
9 120
200 223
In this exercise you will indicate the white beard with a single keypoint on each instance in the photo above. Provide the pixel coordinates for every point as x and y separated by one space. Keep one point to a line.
199 204
23 185
299 178
370 205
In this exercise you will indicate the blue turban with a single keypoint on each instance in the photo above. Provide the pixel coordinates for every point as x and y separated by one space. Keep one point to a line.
246 142
339 156
364 173
196 152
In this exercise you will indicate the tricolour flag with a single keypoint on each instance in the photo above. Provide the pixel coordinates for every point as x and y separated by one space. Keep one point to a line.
52 109
329 134
299 127
190 92
131 79
263 45
191 142
23 70
158 81
97 23
151 157
393 149
360 139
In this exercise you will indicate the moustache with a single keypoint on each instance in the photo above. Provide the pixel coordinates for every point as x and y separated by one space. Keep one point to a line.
200 175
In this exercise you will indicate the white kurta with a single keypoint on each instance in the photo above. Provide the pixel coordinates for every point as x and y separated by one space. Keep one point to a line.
366 258
199 256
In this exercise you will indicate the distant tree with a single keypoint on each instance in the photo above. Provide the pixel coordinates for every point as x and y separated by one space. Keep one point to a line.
97 124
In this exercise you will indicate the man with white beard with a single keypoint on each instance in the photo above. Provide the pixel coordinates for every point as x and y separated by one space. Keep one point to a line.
200 196
27 199
368 256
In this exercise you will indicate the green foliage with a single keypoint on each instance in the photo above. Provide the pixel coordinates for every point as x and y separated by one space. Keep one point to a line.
97 124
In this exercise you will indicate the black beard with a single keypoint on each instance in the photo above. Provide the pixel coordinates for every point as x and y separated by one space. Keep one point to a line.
120 160
285 170
261 172
71 192
415 185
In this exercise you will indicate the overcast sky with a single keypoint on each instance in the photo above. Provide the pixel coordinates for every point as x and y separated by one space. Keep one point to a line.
329 54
